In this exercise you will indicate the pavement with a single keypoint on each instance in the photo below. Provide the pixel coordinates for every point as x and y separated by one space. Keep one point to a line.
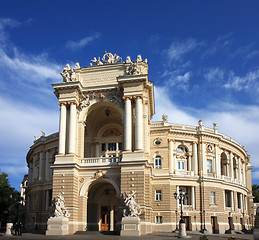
104 236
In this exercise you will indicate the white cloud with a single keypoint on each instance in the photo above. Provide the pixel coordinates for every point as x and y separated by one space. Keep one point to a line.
249 81
6 23
214 74
178 49
83 42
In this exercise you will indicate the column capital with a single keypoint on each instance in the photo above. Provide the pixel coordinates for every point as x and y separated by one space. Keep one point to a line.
138 97
170 140
194 142
62 103
73 102
125 98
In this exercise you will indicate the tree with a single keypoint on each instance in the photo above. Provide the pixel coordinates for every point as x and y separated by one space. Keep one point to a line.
9 201
255 189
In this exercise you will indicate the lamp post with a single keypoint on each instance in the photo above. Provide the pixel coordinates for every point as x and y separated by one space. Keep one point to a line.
176 229
182 227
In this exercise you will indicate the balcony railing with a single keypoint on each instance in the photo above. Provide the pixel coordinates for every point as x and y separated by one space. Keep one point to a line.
101 161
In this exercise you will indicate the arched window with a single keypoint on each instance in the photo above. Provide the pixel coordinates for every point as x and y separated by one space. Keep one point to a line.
158 162
181 158
223 164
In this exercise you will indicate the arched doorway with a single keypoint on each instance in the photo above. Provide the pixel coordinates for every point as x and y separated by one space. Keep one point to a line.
102 207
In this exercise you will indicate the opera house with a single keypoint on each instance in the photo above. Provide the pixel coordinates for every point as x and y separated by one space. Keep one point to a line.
107 146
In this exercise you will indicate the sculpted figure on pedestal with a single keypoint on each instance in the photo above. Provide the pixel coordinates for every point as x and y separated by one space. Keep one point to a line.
132 208
60 209
109 58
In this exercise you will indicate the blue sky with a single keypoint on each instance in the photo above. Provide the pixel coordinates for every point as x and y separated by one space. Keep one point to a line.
203 59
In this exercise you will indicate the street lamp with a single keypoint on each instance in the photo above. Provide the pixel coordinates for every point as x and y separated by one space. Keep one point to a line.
181 196
176 229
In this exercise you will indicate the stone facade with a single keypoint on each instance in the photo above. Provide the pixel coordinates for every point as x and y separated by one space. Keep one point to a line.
107 145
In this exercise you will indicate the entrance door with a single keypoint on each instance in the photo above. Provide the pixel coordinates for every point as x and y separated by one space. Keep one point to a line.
105 218
213 224
187 222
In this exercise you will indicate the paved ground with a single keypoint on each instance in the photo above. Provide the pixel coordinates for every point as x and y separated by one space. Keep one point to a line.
100 236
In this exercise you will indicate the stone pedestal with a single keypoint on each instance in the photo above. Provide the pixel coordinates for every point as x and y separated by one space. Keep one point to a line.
182 230
57 226
8 228
130 226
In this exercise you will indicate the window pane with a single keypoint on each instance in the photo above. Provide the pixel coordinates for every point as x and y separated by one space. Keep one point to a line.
120 146
111 146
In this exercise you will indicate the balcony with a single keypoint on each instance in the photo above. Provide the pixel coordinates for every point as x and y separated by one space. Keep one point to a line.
100 161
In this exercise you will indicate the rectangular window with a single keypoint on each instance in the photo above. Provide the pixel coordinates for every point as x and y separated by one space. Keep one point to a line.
228 199
103 147
181 165
158 219
209 166
111 146
158 195
120 146
212 198
158 162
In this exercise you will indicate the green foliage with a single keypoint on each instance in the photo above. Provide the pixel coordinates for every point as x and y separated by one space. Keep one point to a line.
203 237
9 200
255 189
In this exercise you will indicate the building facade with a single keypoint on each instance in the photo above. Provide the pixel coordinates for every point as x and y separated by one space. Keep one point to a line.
107 145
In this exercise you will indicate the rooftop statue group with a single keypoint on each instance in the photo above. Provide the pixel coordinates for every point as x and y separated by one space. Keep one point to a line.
132 68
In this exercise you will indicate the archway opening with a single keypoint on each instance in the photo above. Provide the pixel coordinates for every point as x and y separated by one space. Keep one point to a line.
101 207
103 131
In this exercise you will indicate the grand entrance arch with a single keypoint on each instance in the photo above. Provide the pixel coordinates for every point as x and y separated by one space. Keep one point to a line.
102 207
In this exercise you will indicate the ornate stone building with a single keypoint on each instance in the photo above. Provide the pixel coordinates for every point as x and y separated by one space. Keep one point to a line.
107 145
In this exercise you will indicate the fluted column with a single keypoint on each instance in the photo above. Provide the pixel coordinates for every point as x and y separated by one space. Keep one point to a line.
171 156
34 170
193 198
41 166
128 125
218 170
30 172
139 124
47 167
204 160
244 173
239 170
231 166
72 129
189 159
62 129
195 158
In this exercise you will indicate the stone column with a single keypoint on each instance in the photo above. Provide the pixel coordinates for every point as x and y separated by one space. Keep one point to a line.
72 129
112 219
231 166
139 124
47 200
189 162
193 198
218 171
34 170
41 166
177 201
47 167
239 170
232 200
244 173
171 156
62 129
97 150
128 125
204 160
194 158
